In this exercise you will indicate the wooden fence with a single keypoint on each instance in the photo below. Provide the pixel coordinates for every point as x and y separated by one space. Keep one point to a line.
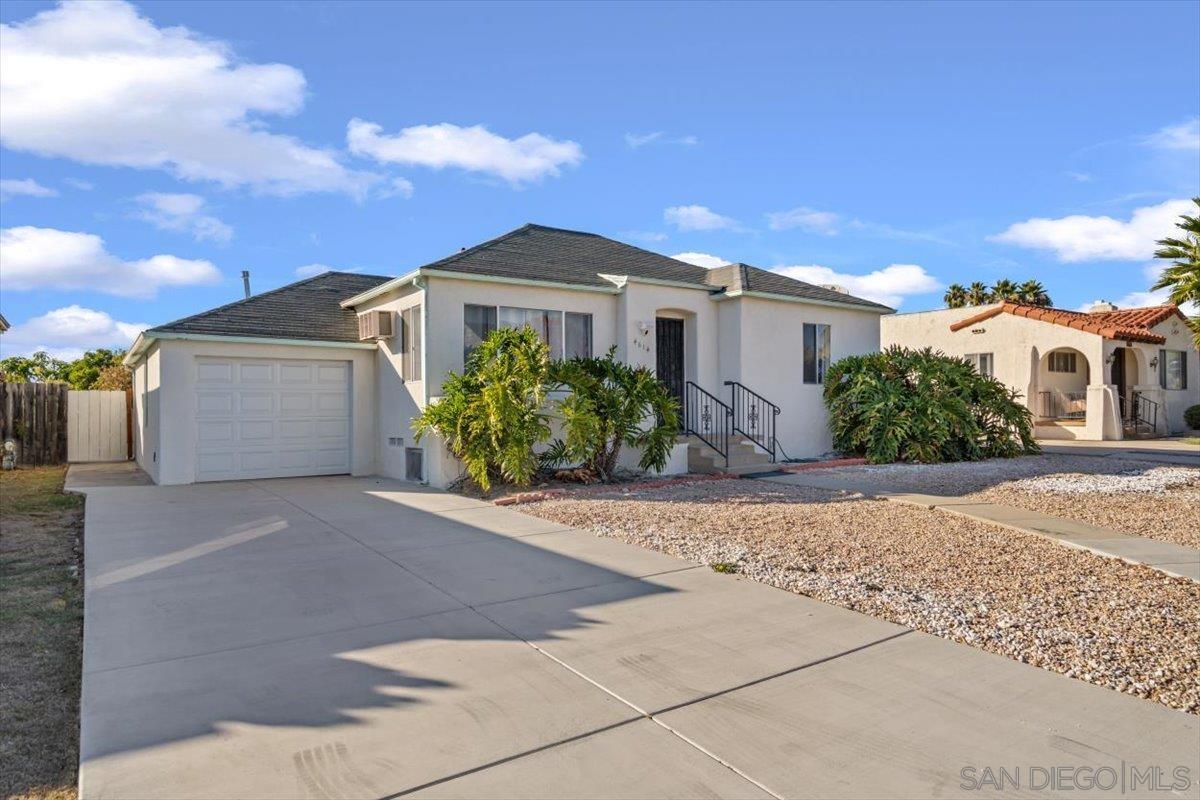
34 416
97 426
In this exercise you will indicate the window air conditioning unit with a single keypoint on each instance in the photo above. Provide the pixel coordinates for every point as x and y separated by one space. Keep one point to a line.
376 325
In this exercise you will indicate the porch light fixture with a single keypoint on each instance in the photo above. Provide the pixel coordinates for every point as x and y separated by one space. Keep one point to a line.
1154 363
1111 357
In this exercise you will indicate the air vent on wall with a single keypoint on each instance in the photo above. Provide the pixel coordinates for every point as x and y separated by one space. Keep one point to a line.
375 325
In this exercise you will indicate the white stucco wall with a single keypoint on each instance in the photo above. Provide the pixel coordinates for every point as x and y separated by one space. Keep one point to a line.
770 361
1175 402
397 400
146 410
176 399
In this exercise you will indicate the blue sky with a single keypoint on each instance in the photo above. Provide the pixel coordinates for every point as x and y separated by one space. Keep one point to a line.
152 151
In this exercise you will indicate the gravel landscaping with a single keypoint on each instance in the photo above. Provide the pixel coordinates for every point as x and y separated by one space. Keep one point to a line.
1124 626
1159 503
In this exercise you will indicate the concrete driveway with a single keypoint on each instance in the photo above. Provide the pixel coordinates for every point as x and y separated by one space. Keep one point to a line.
342 637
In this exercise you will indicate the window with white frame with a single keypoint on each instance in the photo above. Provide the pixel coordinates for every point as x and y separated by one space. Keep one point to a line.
1062 361
1172 369
816 352
982 362
567 333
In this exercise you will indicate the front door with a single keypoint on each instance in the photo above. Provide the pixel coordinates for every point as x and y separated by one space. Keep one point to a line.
1118 380
669 357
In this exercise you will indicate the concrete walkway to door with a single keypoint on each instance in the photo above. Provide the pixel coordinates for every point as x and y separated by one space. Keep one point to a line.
343 637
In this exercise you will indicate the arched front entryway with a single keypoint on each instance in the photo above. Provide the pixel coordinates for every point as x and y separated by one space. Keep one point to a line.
1063 377
1124 372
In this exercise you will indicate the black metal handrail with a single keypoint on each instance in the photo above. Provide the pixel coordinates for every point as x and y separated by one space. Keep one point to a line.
1145 411
1057 404
707 418
753 416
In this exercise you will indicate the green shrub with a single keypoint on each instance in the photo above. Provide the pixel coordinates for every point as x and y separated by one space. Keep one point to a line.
1191 415
921 406
492 415
611 405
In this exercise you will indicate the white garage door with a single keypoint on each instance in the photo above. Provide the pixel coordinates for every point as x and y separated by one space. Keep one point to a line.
268 418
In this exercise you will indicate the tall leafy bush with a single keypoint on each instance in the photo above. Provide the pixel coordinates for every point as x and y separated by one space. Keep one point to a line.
611 405
922 406
493 415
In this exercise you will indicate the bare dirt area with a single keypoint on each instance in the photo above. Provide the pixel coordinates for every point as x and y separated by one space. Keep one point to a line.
41 624
1123 626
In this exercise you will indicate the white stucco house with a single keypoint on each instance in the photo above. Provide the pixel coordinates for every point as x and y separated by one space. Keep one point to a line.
325 375
1107 373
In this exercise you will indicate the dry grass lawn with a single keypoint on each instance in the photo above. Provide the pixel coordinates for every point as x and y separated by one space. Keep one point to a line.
41 625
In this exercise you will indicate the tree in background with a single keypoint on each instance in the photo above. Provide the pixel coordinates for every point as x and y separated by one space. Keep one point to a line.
1004 290
1182 277
978 294
40 367
1032 293
84 372
114 377
956 296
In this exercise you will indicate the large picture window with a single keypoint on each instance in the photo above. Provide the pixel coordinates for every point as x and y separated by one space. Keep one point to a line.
816 352
568 334
1172 369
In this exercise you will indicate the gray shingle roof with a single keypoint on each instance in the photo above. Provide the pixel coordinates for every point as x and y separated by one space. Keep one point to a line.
539 253
307 309
536 252
734 277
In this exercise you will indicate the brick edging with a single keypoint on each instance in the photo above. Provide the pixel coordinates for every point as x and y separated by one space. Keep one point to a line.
550 494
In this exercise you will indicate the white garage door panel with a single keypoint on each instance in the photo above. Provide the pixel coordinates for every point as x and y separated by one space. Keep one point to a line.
260 418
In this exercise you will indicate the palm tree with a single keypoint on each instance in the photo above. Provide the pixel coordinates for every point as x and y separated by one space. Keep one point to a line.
1004 289
1183 276
956 296
978 294
1032 293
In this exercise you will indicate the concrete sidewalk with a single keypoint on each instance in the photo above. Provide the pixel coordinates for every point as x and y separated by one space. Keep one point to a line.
340 637
1167 557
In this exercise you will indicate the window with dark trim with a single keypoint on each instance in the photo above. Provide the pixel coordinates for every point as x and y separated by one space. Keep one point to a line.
1062 362
816 352
567 333
1172 370
478 322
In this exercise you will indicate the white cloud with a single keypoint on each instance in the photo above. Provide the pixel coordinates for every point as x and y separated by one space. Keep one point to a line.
76 183
701 259
398 186
889 285
476 149
101 84
182 212
645 236
67 332
698 218
26 187
1083 238
47 258
309 270
1079 177
637 140
1184 136
809 219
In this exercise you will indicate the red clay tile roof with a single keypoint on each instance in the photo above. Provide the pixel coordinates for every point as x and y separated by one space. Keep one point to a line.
1131 324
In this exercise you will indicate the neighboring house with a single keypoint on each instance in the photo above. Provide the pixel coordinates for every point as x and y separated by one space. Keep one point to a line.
3 324
1103 374
324 376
